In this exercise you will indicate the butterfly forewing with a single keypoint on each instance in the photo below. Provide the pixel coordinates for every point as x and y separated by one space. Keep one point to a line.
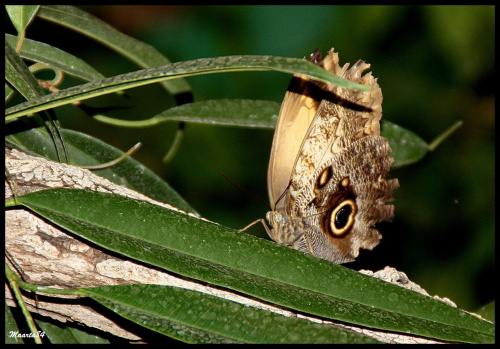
330 162
296 114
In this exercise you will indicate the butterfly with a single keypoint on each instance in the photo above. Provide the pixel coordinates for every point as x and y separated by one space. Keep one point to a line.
328 165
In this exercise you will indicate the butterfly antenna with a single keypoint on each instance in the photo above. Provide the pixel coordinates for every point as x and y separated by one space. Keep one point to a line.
244 190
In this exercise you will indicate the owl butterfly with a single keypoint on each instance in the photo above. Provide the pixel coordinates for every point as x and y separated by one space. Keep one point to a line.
326 176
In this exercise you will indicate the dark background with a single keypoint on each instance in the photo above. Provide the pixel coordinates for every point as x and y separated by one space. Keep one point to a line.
435 65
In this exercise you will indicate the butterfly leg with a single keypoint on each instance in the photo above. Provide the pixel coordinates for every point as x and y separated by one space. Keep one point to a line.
260 220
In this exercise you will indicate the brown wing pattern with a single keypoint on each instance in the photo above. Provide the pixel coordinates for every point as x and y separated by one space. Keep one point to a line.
338 185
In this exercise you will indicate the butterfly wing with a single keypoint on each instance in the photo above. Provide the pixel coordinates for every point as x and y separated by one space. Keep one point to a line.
338 187
296 114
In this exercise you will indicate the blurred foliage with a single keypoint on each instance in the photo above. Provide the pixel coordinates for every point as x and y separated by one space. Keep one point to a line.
435 66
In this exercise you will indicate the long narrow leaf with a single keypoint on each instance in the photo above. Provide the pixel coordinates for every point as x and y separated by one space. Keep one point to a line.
39 52
67 334
19 76
223 112
407 147
212 253
11 327
195 317
144 55
179 70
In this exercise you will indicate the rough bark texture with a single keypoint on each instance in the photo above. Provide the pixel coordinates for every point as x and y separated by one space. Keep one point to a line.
44 255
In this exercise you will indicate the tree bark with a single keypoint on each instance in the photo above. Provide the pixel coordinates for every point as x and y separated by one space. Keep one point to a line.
42 254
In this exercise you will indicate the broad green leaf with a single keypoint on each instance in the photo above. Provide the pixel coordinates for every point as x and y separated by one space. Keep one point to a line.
21 16
259 268
178 70
86 150
140 53
407 147
39 52
196 317
223 112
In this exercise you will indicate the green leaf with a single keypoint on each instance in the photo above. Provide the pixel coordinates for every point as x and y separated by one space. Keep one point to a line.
63 334
224 112
86 150
21 16
86 338
488 311
39 52
10 327
142 54
9 92
259 268
19 76
178 70
196 317
407 147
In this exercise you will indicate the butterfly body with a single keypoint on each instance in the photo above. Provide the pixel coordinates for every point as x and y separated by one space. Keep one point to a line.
328 165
